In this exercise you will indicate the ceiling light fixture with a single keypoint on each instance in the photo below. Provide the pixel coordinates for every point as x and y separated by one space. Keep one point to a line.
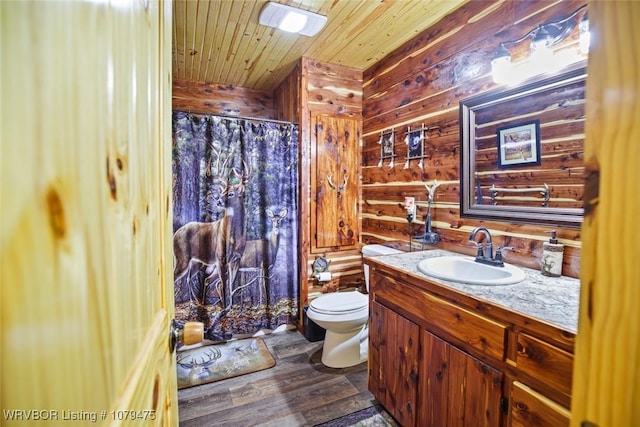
541 56
291 19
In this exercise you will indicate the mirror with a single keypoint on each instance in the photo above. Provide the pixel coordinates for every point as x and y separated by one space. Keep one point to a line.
522 154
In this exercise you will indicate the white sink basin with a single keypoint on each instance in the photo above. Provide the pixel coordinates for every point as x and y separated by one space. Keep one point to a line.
467 270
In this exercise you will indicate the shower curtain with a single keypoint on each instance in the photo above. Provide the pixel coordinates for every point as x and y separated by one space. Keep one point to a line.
235 184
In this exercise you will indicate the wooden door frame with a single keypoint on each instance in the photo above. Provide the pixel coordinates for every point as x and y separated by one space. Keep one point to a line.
606 390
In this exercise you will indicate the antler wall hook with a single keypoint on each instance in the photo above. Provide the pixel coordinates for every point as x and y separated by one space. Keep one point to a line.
330 181
344 183
340 187
432 190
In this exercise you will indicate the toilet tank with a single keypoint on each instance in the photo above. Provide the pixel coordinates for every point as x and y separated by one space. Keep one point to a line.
373 250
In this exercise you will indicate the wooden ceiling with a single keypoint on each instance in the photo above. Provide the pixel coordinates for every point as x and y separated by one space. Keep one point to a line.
221 42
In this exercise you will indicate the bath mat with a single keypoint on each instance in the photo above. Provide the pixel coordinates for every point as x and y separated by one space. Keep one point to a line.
220 361
373 416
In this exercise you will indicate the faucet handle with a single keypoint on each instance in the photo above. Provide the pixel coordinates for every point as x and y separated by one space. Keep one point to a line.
499 252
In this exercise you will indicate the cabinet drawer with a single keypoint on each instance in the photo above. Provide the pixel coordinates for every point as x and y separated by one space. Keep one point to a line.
473 330
545 362
479 332
527 405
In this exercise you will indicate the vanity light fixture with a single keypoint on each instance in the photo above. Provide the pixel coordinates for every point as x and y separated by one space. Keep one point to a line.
291 19
541 56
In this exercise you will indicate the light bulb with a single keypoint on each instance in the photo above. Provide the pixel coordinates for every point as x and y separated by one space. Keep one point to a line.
293 22
585 36
501 65
541 52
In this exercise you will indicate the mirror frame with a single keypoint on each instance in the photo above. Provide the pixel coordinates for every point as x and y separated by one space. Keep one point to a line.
563 217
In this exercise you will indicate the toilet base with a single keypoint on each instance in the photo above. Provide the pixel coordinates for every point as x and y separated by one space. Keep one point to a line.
342 350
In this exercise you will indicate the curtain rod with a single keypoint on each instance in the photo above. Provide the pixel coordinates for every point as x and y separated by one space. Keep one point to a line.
201 113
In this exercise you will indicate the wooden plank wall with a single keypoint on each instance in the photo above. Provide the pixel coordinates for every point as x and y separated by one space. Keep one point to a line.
421 83
234 101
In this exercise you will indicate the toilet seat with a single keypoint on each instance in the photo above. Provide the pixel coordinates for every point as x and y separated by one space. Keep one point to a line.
340 303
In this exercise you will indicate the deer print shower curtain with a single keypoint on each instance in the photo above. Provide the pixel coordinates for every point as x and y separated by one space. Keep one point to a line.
235 184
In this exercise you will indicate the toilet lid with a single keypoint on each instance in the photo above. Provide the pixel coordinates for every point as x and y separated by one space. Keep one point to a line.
339 302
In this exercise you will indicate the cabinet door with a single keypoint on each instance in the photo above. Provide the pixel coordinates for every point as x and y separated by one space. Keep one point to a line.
334 182
433 390
456 389
393 363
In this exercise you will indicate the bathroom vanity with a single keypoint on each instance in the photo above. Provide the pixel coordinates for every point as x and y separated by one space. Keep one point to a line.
443 353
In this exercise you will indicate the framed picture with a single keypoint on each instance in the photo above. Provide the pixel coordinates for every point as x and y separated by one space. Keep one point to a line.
519 144
386 144
414 144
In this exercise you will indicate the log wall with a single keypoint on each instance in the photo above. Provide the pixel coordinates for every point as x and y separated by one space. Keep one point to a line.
422 83
224 100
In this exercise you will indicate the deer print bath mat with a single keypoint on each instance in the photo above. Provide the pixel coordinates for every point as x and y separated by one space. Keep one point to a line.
219 361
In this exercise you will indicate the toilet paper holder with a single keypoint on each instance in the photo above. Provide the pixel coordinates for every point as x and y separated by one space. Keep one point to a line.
321 269
324 276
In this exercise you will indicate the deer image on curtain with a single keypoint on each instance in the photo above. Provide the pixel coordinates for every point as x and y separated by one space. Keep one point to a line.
235 224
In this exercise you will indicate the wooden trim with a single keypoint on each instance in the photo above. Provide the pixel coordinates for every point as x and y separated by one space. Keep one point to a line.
605 385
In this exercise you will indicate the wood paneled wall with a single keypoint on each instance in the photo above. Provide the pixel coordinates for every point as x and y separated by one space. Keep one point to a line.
231 101
421 83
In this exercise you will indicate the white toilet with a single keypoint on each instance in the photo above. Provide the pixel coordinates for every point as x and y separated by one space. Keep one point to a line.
345 317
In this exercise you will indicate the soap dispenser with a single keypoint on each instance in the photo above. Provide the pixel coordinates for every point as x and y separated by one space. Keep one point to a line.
552 254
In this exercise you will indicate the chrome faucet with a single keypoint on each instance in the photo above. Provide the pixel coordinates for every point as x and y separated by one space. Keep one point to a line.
488 246
485 255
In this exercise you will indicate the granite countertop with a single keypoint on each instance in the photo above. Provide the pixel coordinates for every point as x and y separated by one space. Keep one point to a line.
554 300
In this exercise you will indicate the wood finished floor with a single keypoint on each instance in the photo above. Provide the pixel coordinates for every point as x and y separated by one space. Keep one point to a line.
298 391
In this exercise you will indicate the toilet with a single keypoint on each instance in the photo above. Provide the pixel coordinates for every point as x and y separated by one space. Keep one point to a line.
345 317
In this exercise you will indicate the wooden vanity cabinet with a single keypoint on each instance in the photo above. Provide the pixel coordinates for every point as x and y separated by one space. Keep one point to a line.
454 388
421 379
436 363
